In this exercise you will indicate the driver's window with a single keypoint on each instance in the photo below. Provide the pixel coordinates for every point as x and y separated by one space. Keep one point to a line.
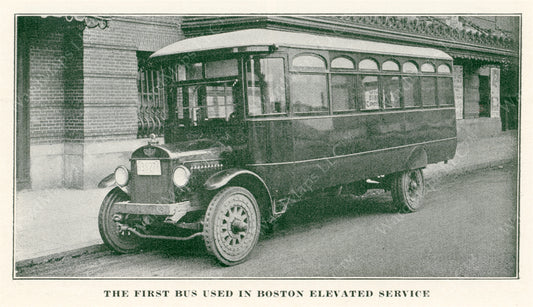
203 103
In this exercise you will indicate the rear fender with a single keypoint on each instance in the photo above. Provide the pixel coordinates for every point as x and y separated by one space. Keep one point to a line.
418 158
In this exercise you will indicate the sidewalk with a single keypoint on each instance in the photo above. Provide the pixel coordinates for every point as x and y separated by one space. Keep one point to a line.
49 222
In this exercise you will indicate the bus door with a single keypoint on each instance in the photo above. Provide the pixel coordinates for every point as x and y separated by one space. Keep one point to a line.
270 129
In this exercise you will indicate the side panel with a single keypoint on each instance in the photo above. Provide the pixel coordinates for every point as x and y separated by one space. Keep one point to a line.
353 145
271 150
339 149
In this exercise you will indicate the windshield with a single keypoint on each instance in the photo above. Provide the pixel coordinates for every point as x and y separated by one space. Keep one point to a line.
206 104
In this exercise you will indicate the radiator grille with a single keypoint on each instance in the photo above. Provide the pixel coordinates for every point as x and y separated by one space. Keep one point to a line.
152 189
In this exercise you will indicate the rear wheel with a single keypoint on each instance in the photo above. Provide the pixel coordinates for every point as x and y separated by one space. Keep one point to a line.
119 241
232 224
407 190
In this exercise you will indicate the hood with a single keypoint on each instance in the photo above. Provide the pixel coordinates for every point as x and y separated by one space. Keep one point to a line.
186 151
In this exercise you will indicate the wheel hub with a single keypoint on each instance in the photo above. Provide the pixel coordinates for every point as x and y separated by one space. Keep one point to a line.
238 226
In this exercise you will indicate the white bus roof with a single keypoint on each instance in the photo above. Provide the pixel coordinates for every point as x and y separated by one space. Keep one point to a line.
264 37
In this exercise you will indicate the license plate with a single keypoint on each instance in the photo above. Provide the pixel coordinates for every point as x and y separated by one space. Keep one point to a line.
148 167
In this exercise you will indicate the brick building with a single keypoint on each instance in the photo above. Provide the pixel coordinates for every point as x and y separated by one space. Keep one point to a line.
85 98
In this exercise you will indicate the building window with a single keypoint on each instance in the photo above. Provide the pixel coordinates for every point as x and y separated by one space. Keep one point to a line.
265 86
152 111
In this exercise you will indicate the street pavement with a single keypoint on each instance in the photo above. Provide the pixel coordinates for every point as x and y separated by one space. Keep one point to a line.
467 228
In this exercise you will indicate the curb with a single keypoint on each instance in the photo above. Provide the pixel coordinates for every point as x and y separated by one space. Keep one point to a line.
101 248
75 253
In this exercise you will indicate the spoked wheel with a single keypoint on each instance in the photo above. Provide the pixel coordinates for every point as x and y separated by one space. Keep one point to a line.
232 225
407 190
119 241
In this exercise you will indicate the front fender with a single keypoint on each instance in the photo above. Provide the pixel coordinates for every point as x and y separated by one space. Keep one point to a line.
109 181
222 178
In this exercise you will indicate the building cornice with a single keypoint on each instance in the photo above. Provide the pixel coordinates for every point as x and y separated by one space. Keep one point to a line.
420 31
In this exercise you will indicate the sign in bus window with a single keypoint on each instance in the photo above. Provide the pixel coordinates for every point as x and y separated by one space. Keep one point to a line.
370 93
343 92
391 92
428 91
265 86
309 93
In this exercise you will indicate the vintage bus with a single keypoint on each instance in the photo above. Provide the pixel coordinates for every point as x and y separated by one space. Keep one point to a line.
260 119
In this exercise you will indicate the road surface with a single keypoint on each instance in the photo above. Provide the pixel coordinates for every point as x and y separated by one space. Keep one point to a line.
467 228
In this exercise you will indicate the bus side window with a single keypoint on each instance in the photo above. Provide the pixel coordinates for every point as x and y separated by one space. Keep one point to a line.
391 92
391 86
429 86
343 92
429 91
410 85
445 91
308 84
265 86
411 91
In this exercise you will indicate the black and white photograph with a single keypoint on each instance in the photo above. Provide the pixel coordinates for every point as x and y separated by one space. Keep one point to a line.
267 147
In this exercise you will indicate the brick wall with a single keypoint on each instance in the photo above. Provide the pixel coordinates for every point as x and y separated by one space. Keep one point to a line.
83 95
84 85
47 62
110 72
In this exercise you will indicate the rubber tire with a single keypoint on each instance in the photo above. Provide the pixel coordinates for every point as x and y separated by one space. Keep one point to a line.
108 230
402 193
215 213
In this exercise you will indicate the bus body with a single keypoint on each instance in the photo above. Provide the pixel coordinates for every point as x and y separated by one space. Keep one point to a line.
259 119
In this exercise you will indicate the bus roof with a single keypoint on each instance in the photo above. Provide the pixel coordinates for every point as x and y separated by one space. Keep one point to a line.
264 37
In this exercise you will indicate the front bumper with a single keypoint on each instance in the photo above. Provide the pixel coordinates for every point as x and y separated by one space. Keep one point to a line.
174 212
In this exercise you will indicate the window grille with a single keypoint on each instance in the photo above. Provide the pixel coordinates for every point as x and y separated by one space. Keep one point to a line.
152 112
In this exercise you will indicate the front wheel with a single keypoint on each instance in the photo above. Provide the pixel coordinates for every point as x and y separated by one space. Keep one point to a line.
232 224
119 241
407 190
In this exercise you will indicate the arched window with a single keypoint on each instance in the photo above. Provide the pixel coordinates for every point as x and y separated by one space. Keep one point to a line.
342 62
309 61
368 64
309 91
409 67
390 66
427 67
443 69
